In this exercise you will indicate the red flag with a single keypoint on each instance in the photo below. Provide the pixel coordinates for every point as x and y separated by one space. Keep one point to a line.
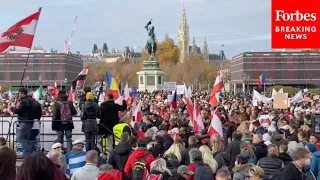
21 34
218 85
198 125
215 126
54 90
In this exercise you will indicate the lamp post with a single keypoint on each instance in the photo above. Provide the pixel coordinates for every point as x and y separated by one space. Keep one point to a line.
27 79
269 81
244 79
40 80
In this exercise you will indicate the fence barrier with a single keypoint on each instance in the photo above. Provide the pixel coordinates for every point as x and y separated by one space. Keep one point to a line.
47 136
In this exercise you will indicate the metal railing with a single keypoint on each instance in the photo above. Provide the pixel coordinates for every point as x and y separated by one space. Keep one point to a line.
47 136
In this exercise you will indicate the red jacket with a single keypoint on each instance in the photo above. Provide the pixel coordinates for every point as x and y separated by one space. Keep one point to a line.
192 167
136 154
106 176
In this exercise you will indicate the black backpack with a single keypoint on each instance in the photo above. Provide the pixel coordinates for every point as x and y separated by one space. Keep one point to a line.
202 172
35 111
140 172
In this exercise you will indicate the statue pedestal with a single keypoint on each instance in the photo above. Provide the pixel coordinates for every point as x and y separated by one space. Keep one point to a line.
150 77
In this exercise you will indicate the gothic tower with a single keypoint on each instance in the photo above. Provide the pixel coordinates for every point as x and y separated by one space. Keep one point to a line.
194 48
183 37
205 51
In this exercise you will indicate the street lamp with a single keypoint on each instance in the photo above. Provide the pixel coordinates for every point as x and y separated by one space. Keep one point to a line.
40 80
27 79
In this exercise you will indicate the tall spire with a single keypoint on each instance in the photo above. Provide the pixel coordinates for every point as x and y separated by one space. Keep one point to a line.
184 15
194 46
183 36
205 51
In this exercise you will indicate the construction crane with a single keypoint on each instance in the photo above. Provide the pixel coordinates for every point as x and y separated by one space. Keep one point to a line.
68 41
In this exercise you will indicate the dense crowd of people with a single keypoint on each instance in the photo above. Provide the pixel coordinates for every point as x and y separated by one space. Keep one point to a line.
258 142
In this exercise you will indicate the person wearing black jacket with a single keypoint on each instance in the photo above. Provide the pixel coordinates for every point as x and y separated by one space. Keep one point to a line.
120 154
233 148
109 118
25 121
185 158
158 149
89 117
261 149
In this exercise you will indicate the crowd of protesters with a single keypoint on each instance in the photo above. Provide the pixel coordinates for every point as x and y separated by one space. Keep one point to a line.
258 142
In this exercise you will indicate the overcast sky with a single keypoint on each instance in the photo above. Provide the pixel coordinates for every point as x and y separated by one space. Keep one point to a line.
241 25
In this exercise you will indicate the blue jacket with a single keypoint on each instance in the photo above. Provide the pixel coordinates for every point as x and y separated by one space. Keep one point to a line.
315 164
75 160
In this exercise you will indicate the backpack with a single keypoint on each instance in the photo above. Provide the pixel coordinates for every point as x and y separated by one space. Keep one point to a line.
140 171
202 172
155 177
65 112
36 111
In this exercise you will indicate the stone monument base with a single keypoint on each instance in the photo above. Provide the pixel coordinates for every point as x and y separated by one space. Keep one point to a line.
150 76
150 80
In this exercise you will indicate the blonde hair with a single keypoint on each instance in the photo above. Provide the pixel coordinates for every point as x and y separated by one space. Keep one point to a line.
216 144
257 171
208 158
160 165
174 149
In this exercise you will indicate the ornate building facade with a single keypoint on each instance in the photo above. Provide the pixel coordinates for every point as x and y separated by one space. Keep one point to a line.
193 49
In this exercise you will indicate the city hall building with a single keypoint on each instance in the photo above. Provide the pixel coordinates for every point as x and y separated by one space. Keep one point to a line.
42 68
299 69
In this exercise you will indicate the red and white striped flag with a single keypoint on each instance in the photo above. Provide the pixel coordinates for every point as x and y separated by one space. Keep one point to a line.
198 125
53 90
218 85
21 34
215 126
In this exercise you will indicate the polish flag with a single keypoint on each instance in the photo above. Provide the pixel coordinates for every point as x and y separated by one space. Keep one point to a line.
21 34
198 125
215 126
218 85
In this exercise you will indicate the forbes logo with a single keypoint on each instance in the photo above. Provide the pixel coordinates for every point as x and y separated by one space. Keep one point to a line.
281 15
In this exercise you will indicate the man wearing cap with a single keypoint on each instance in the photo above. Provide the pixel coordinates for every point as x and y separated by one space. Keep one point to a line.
76 158
183 173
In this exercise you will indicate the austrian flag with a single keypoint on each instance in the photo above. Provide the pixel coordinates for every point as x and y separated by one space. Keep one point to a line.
21 34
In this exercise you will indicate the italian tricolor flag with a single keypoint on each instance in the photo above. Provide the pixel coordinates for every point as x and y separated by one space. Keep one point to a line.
38 93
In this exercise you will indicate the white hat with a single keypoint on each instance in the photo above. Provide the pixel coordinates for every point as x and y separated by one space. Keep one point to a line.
56 145
79 141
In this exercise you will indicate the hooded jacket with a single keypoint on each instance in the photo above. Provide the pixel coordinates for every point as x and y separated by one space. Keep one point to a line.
120 155
137 154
